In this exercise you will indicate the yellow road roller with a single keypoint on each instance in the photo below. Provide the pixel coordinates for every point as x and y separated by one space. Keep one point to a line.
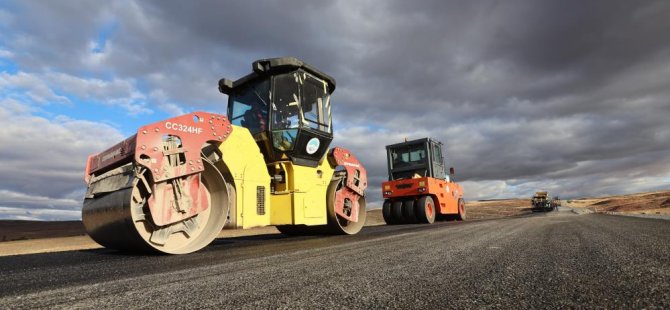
175 184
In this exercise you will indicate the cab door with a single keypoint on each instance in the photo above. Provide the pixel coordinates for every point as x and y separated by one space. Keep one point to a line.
438 161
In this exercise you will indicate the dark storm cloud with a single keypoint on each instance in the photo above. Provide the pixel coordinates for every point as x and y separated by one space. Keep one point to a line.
523 90
568 95
530 82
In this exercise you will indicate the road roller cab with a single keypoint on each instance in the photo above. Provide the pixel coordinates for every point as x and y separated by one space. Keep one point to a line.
419 190
285 105
175 184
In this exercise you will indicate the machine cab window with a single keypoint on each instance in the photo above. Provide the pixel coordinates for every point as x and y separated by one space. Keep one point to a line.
408 160
316 105
408 156
249 106
286 112
286 108
438 161
301 102
417 158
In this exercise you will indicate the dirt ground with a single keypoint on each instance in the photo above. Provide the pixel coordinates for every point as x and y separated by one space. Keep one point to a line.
485 209
641 203
29 237
11 230
64 236
23 230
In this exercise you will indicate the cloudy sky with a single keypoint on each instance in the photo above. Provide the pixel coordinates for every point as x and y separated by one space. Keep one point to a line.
568 96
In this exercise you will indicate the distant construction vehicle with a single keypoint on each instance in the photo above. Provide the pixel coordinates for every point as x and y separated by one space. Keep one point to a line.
419 189
542 202
173 186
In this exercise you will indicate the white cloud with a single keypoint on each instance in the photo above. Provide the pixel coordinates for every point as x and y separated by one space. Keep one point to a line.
16 199
162 100
45 158
6 53
54 87
477 190
92 88
35 88
116 91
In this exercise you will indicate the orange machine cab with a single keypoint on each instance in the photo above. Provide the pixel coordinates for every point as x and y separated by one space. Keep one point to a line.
419 189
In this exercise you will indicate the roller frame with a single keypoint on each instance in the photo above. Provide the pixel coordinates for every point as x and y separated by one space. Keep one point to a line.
173 186
346 199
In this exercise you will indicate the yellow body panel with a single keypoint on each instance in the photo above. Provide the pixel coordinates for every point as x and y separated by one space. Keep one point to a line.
301 201
246 164
304 199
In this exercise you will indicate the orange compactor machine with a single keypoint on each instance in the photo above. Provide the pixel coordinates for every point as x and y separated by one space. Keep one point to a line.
419 190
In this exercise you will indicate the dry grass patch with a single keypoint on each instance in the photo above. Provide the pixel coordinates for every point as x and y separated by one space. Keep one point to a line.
641 203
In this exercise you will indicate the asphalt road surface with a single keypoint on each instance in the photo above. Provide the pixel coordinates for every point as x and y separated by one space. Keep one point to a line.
558 259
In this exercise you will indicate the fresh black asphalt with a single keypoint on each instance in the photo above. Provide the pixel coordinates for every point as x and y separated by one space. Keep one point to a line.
548 260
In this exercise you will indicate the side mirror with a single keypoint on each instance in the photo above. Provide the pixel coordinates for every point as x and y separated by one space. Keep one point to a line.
452 171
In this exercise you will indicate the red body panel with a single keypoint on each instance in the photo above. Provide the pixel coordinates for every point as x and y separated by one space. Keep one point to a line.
445 194
148 148
355 184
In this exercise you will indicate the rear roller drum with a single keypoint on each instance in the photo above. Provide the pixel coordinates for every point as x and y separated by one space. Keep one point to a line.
425 210
121 219
336 223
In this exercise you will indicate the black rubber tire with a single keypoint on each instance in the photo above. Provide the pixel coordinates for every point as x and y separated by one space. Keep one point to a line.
408 211
425 210
396 212
386 212
461 216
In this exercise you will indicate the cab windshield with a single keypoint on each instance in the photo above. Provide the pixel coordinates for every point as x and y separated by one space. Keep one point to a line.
408 155
249 106
300 101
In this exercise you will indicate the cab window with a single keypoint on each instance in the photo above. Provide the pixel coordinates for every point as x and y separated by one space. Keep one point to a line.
249 106
410 155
